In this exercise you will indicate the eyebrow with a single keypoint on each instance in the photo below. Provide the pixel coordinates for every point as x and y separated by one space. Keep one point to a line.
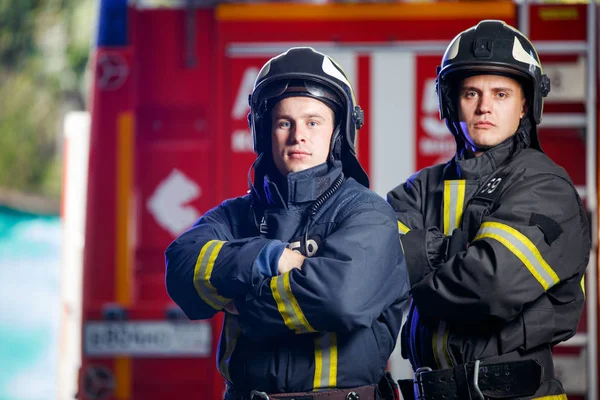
303 116
496 89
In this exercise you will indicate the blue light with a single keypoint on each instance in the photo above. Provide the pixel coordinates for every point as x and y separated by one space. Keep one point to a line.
112 25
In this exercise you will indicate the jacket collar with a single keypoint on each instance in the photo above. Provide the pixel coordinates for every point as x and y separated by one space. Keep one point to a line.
476 167
299 187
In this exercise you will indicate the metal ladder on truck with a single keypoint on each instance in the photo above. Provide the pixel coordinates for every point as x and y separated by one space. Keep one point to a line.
588 342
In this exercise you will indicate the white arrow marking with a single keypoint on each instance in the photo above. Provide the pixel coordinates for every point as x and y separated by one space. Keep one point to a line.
167 203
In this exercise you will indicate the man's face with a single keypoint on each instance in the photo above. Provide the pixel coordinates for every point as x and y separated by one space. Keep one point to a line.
489 109
301 131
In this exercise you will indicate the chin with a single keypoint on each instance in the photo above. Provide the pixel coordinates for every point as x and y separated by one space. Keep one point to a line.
296 167
300 169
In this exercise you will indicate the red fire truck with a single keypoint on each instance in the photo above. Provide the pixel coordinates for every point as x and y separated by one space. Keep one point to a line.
167 138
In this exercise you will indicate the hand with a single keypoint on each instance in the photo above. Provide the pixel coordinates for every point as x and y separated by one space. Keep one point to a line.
231 309
289 260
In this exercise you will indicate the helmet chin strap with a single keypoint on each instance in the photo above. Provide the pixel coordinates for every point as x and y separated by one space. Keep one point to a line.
335 147
252 171
464 148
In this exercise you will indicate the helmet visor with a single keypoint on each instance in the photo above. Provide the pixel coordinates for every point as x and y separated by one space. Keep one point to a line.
302 87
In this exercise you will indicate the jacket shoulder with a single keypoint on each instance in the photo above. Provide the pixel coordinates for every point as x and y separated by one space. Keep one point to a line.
533 162
435 171
418 180
237 209
352 188
354 197
240 202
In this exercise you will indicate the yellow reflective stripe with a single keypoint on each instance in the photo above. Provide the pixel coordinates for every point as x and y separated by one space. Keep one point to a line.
318 378
446 207
402 228
460 201
551 397
287 305
275 281
583 285
333 361
434 347
454 200
202 272
523 248
326 361
229 336
439 346
446 354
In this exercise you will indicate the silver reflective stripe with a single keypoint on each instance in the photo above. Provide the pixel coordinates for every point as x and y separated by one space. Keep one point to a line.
522 248
288 306
203 271
326 360
453 204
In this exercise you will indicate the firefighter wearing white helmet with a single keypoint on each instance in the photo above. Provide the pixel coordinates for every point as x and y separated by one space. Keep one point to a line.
307 268
496 240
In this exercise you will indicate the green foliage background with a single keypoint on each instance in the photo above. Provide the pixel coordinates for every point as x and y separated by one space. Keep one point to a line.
44 47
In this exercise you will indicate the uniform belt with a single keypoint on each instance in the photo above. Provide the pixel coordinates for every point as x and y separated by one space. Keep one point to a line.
475 380
358 393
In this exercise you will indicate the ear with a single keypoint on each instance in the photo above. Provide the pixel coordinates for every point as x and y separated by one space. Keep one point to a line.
524 107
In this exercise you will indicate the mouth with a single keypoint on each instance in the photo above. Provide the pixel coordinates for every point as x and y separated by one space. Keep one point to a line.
484 124
298 154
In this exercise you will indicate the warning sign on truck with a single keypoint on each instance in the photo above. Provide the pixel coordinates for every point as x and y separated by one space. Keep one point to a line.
147 339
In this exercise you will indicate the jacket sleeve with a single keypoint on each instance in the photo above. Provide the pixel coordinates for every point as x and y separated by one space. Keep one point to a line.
206 267
535 241
358 273
406 201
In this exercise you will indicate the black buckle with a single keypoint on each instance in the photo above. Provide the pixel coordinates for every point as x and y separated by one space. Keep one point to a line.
418 381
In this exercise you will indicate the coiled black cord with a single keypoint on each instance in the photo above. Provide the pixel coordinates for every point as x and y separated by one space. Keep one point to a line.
326 195
314 207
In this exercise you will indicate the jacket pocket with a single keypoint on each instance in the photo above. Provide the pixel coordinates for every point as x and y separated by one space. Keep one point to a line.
538 323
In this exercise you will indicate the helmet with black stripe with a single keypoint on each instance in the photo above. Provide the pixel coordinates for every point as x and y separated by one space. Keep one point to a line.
303 71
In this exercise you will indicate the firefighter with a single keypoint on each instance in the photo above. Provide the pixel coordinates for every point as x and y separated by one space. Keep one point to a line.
305 266
496 240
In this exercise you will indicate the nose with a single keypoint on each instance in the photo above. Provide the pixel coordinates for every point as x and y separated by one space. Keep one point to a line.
485 105
299 133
